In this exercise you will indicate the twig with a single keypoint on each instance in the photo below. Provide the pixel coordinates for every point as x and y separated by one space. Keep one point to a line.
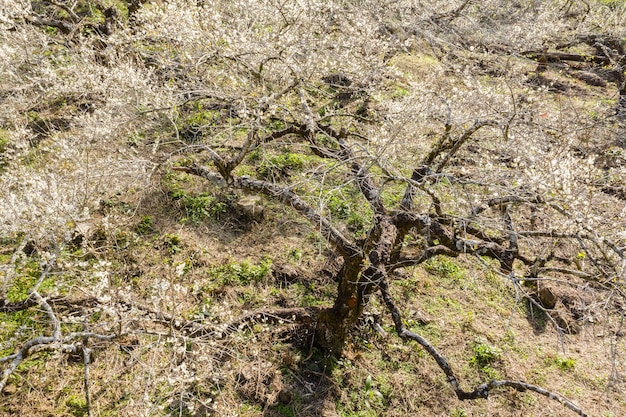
86 359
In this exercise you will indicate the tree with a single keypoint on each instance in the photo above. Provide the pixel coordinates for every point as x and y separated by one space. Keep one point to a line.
341 113
328 119
410 224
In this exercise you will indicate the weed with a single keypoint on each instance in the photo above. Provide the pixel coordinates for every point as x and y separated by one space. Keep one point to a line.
201 207
250 298
467 321
563 364
338 206
371 393
285 410
193 126
243 273
77 405
27 276
280 166
294 255
173 243
364 413
445 268
484 355
4 142
135 139
145 225
613 4
13 325
399 92
348 208
124 238
196 208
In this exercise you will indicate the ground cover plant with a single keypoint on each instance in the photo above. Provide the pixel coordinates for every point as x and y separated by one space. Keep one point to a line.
299 208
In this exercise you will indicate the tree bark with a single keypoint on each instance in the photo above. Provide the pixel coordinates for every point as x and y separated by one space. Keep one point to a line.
334 323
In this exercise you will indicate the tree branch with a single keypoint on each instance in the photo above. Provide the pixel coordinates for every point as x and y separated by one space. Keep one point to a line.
456 145
411 260
289 198
483 390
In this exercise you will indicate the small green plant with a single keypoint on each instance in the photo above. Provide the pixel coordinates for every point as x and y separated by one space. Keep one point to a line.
295 255
371 393
563 364
12 325
145 225
484 354
172 243
242 273
457 412
399 92
280 166
4 143
196 208
27 276
467 321
446 268
193 126
135 139
613 4
285 410
77 405
338 207
355 214
201 207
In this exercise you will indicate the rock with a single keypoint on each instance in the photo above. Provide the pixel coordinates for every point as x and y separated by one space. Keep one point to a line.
285 395
329 409
9 389
285 274
546 296
251 207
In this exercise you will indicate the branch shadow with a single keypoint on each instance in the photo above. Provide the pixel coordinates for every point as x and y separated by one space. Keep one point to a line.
536 317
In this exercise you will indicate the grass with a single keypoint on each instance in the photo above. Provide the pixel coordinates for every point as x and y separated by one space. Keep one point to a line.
4 143
26 277
242 273
195 207
280 166
194 125
145 225
484 356
446 268
563 364
246 283
345 204
373 385
181 240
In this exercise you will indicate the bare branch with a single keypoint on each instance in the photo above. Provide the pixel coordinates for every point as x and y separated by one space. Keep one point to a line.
458 143
64 27
411 260
499 201
572 272
481 391
288 197
275 316
66 8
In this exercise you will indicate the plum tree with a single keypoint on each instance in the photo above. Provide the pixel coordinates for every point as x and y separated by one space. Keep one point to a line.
401 132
